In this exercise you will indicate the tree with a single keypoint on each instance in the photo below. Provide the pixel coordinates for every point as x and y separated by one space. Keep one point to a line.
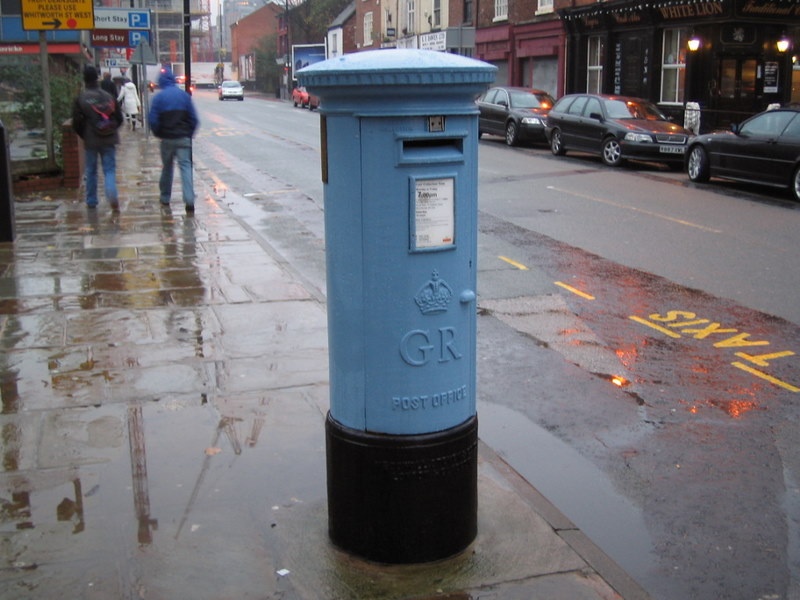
311 19
268 71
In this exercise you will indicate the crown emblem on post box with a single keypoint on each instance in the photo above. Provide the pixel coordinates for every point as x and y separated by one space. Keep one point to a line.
434 296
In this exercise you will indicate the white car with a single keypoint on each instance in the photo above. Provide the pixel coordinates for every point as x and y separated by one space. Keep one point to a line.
231 89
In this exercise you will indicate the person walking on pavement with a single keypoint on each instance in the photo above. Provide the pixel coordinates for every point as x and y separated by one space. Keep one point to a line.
129 100
108 84
96 118
173 119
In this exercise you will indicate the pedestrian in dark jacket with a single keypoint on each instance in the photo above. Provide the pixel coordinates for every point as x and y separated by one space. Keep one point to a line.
97 145
108 84
174 120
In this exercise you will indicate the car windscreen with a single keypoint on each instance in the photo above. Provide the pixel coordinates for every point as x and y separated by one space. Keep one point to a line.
528 100
622 109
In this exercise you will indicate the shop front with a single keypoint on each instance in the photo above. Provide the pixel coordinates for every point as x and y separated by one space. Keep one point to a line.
732 58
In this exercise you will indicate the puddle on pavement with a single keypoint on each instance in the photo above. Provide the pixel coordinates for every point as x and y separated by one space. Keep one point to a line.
568 480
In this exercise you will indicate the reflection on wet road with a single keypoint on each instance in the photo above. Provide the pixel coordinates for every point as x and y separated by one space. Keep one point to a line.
702 436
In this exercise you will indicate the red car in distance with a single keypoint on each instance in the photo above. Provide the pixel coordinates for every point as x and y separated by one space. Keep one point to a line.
302 98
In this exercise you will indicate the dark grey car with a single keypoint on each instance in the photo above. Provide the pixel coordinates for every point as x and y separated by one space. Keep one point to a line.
516 113
765 149
617 128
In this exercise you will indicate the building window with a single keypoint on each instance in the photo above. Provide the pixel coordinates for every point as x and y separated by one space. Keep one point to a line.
334 44
468 11
673 66
500 10
411 16
545 6
368 29
594 65
437 13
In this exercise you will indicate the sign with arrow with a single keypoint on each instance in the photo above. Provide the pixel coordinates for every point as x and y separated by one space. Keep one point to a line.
44 15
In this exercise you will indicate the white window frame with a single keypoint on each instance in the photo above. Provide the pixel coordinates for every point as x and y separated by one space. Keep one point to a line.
368 28
595 55
500 10
544 7
411 16
673 62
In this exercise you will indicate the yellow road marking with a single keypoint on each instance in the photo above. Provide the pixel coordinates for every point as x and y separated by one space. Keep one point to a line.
762 375
513 263
663 330
575 291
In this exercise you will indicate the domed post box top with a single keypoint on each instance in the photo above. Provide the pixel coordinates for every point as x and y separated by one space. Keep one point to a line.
397 75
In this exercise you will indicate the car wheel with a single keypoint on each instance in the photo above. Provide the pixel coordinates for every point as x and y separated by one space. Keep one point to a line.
697 165
511 133
241 99
221 98
796 184
612 152
556 144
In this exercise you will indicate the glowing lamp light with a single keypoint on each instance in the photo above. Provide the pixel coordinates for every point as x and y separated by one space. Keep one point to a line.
783 44
694 44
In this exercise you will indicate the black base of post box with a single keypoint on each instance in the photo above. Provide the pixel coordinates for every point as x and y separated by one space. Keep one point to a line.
402 499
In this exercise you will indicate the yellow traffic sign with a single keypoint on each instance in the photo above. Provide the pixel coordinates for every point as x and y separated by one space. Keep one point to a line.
38 15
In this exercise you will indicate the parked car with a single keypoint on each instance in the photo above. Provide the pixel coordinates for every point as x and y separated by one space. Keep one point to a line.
765 149
313 101
300 97
617 128
516 113
231 89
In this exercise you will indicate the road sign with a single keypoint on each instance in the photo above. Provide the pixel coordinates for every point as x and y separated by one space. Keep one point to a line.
44 15
143 55
117 62
120 18
118 38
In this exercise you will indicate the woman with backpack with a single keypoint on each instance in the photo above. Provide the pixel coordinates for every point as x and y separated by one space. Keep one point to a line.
129 101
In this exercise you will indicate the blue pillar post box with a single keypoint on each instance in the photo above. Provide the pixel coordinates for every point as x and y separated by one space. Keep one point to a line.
399 164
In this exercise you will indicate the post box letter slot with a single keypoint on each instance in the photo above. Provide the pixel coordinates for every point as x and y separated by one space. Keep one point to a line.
433 150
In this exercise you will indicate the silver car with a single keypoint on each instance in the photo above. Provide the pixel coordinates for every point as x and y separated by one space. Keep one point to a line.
231 89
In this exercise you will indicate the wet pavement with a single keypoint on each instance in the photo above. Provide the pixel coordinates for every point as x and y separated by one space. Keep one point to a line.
164 388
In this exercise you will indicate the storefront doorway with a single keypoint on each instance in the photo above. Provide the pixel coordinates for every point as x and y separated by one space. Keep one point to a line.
735 93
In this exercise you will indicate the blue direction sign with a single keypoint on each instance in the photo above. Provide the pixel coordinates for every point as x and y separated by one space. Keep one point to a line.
120 18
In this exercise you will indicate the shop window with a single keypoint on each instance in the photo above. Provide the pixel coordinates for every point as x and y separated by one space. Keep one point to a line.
673 66
500 10
368 29
594 65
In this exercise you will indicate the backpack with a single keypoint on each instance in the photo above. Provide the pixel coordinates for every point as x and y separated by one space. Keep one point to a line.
102 117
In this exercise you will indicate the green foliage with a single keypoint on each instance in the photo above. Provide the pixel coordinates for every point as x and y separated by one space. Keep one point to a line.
311 19
63 90
268 71
23 81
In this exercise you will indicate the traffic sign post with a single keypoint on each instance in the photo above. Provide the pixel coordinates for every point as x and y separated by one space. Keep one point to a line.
119 38
120 18
45 15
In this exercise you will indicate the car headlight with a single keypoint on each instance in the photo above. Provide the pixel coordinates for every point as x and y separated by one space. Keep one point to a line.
638 137
532 121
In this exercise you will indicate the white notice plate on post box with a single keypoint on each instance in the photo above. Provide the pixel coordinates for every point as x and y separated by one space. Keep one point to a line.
434 213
